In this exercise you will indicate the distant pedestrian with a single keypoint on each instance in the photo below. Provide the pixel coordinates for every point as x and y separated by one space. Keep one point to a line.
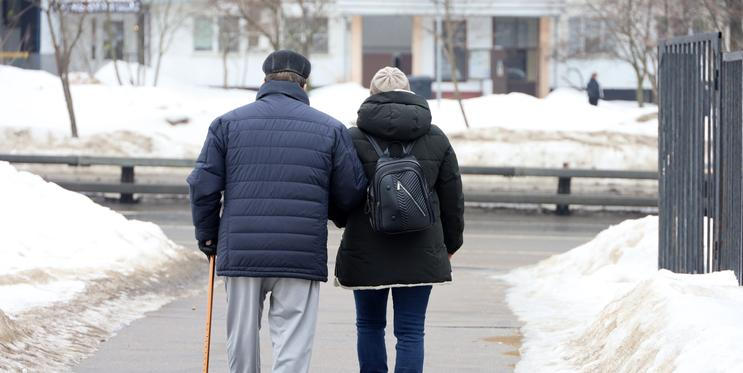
282 168
375 264
594 90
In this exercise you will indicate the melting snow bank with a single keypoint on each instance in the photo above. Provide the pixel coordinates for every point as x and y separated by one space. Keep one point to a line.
73 272
604 307
171 120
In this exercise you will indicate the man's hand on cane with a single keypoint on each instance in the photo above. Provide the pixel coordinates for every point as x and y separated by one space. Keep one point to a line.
208 247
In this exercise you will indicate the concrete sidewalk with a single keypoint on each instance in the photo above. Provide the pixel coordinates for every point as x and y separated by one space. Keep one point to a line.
469 327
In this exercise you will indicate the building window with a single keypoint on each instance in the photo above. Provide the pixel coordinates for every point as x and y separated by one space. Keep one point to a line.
295 34
518 33
114 43
203 34
459 44
229 34
588 36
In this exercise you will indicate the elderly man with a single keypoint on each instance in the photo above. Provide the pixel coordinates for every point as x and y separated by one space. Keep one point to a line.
282 168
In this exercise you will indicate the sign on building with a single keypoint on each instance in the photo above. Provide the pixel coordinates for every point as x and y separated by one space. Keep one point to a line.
100 6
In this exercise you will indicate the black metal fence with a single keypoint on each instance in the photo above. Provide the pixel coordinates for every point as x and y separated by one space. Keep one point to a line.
700 149
731 227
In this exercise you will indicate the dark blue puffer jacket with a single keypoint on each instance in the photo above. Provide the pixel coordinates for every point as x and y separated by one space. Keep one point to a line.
283 167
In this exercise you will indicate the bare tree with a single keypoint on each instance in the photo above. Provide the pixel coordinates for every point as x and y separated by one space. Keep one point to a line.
673 18
633 30
446 35
285 23
300 31
262 16
64 36
169 16
631 24
727 14
291 24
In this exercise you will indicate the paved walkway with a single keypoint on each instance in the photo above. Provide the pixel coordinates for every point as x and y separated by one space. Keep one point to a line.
469 326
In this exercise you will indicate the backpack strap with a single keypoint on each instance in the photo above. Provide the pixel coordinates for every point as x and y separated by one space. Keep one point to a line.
380 153
408 148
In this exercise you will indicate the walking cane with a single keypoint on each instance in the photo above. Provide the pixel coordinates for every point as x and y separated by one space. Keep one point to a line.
209 303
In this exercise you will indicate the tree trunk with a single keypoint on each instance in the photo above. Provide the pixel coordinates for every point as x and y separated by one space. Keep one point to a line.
654 89
116 67
224 70
455 81
64 78
157 69
160 53
62 59
458 96
640 91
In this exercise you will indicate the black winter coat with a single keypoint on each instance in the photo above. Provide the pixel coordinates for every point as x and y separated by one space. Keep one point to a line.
593 90
367 259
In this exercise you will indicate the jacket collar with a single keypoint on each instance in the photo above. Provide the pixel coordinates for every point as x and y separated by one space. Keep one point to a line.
285 88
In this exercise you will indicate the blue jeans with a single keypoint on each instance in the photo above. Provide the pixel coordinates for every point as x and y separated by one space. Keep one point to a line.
409 304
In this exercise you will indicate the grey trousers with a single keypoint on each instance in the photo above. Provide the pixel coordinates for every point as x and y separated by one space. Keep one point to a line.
292 317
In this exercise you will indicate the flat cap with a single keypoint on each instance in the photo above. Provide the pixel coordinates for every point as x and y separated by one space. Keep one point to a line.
285 60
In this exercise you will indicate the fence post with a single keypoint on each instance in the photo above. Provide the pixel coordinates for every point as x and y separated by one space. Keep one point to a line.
563 187
127 177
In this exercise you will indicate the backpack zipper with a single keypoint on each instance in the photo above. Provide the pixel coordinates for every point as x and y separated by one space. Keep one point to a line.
399 185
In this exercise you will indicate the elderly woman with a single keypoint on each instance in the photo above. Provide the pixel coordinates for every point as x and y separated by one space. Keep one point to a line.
375 264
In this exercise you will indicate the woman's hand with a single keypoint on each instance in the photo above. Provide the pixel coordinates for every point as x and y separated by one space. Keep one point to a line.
450 255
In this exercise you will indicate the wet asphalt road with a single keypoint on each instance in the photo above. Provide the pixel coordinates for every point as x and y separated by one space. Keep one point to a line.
469 327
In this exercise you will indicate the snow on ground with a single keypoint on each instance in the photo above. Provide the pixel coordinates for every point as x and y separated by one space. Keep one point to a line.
73 272
513 129
112 119
521 130
604 307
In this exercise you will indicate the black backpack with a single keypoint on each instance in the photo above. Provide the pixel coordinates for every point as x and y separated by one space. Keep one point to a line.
398 199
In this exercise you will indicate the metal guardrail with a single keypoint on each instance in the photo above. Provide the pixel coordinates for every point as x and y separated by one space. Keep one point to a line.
559 172
127 187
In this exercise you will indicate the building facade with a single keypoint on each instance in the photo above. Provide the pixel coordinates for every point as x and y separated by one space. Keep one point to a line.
500 46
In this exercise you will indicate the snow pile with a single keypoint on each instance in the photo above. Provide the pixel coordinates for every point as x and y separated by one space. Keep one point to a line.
521 130
604 307
72 272
513 129
112 119
564 110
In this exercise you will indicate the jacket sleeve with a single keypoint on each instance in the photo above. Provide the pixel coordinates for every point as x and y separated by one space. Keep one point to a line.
347 181
206 184
451 201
